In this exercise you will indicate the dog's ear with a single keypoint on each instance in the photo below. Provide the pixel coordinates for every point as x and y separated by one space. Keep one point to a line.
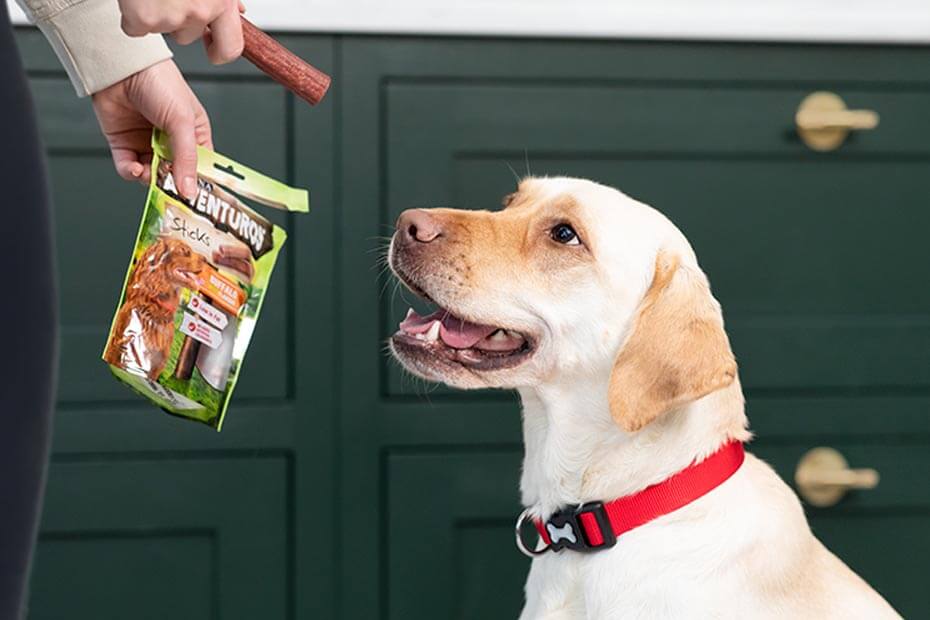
677 351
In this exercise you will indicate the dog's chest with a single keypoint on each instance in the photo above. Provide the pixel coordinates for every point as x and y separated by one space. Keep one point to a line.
643 576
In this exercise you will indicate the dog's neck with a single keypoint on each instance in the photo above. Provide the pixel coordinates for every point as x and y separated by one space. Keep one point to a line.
575 452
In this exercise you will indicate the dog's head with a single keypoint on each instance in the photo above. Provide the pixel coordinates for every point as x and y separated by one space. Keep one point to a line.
167 264
570 279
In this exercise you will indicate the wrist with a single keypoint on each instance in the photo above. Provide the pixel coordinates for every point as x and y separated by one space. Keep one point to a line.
94 50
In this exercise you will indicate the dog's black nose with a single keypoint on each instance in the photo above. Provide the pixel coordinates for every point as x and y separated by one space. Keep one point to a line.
418 226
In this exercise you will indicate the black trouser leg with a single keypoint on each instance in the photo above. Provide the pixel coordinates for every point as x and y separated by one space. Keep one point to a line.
28 332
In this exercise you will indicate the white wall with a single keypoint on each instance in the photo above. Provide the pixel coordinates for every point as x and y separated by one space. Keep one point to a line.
904 21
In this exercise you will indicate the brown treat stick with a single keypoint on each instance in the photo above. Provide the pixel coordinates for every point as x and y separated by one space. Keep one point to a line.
282 65
186 358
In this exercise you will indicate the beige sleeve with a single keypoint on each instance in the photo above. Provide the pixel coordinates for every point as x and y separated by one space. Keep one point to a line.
87 37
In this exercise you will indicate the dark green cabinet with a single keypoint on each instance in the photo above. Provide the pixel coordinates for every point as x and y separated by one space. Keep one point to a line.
342 488
461 535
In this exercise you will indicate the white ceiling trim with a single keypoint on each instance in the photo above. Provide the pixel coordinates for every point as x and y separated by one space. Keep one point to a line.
894 21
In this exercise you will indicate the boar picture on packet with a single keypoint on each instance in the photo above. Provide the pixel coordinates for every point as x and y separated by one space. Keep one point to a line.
195 286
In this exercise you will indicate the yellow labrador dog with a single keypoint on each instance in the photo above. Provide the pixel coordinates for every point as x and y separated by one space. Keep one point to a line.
593 306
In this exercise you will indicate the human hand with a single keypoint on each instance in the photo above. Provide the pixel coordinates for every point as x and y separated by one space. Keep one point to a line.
155 97
215 21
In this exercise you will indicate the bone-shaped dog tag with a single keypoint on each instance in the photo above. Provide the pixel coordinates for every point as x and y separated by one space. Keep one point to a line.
558 534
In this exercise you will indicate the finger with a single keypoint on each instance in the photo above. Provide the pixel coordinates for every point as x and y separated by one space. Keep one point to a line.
207 40
127 164
180 128
202 128
146 160
188 34
225 38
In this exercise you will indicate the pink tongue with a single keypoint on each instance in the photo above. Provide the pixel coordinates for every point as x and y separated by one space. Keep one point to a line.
460 334
455 332
416 324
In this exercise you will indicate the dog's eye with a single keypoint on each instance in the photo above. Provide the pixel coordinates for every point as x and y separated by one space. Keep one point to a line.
565 234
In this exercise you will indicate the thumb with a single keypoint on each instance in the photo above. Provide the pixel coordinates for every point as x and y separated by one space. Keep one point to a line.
183 140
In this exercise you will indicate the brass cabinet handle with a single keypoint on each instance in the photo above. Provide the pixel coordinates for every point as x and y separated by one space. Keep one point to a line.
823 477
823 121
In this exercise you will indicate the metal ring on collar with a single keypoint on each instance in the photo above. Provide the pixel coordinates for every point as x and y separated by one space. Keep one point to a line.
518 532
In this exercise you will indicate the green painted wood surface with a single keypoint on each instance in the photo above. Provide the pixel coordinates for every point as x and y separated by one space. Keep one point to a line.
367 494
164 538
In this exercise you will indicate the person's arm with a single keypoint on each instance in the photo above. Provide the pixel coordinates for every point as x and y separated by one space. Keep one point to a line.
112 51
88 39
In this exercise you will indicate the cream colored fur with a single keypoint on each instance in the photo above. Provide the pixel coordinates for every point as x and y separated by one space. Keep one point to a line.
632 380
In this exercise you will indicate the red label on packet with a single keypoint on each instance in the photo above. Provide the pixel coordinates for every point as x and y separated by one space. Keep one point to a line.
200 331
204 310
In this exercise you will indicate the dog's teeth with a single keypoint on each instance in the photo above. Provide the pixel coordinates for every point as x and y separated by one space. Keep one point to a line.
420 336
498 336
515 335
433 333
410 313
468 355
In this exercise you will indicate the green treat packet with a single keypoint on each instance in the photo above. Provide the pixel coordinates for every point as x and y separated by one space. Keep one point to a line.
195 285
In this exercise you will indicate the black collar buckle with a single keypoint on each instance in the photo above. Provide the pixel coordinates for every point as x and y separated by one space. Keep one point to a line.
566 531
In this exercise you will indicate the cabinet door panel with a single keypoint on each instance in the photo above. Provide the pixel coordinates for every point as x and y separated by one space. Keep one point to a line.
193 538
460 540
149 575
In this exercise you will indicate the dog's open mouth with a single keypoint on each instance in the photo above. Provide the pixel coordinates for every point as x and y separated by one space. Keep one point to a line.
473 345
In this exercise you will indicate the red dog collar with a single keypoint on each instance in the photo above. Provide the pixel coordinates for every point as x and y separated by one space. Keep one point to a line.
596 525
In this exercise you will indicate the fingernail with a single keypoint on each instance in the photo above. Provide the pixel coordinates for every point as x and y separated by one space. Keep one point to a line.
189 187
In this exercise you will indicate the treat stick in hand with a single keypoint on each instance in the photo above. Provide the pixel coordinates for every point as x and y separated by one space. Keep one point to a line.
282 65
